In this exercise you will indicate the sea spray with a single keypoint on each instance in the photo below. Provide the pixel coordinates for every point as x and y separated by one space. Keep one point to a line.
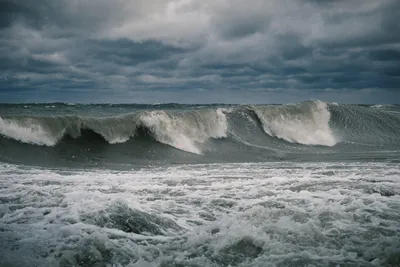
305 123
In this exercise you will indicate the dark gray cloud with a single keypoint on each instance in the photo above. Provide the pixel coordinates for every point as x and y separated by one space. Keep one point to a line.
199 51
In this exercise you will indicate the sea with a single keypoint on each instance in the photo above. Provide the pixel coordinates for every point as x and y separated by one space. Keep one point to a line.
115 185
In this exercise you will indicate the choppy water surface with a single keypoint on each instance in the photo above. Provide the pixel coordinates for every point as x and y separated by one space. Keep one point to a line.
308 184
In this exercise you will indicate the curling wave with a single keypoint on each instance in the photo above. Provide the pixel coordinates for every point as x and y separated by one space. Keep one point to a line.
305 123
211 133
185 131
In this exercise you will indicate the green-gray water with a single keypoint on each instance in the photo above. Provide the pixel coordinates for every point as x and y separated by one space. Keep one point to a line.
307 184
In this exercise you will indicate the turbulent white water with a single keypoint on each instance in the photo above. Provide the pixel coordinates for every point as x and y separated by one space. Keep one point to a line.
298 124
27 132
186 132
249 214
182 130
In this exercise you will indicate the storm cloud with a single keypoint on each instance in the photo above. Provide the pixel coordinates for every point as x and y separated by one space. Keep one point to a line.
236 51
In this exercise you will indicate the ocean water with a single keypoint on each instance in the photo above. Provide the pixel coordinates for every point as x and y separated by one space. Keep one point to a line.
305 184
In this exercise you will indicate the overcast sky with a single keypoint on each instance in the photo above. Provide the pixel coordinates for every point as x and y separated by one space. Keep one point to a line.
200 51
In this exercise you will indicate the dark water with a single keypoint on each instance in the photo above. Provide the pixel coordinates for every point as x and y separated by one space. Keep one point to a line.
306 184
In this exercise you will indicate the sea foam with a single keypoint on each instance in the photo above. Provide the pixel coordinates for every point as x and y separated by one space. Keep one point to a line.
305 123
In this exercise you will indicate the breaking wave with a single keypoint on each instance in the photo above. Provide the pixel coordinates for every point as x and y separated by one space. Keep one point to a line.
305 123
212 133
185 131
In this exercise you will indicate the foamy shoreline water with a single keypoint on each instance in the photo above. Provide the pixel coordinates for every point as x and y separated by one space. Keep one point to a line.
248 214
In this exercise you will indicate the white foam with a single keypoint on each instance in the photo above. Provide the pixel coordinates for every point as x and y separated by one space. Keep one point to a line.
188 131
277 214
115 130
117 139
27 132
308 125
378 106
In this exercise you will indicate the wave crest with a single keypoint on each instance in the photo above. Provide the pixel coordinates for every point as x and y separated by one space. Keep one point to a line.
27 131
182 130
188 131
304 123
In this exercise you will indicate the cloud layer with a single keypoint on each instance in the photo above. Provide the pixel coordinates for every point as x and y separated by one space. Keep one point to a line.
199 51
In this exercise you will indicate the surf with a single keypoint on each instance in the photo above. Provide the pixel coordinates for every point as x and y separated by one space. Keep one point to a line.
208 133
182 130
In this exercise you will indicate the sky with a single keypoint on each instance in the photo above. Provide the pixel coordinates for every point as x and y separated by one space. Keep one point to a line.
200 51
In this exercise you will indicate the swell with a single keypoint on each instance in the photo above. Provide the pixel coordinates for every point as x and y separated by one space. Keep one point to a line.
366 125
210 134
